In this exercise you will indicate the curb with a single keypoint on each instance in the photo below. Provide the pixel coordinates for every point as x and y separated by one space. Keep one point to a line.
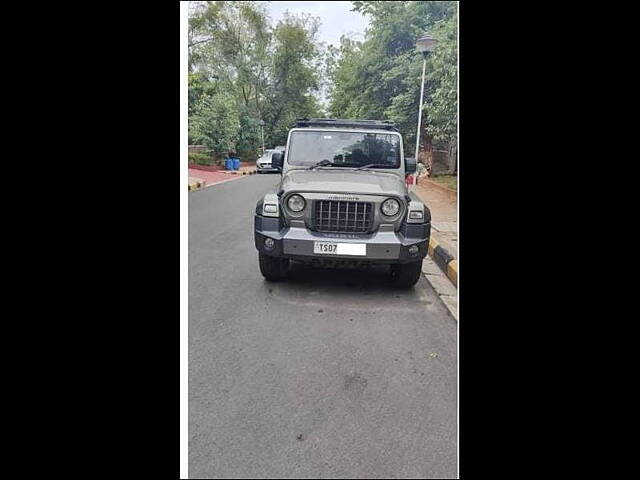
200 184
197 185
238 172
445 261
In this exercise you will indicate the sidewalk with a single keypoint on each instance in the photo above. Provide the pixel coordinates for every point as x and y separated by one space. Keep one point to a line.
444 214
220 176
443 205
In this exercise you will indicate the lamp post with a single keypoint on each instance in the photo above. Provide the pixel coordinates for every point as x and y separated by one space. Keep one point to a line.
262 134
424 45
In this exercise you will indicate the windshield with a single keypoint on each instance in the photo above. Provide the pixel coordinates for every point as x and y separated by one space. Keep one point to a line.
344 149
267 154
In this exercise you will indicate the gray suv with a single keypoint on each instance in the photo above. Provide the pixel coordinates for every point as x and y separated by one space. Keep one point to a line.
343 202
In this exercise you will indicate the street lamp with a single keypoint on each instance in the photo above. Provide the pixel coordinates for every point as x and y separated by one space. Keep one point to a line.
424 45
262 133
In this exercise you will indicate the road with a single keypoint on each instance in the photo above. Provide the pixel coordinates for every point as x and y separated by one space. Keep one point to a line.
333 374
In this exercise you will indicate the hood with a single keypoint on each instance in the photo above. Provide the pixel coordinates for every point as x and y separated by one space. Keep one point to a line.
363 182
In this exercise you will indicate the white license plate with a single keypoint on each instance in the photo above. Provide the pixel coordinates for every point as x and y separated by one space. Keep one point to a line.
333 248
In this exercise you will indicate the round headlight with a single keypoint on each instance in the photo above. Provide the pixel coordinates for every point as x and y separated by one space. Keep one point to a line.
390 207
295 203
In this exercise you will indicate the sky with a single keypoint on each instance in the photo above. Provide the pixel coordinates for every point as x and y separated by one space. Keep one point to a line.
336 18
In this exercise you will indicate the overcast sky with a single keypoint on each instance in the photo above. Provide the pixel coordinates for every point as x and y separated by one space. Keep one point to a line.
336 18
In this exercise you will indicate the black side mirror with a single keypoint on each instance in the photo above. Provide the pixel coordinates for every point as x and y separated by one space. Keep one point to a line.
277 159
410 165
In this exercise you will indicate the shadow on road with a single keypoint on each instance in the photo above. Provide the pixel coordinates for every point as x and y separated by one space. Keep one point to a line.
375 276
373 281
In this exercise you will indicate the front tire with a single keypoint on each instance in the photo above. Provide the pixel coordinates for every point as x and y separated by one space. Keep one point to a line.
406 275
272 268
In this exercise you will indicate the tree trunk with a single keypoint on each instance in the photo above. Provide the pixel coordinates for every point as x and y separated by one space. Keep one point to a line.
426 154
453 157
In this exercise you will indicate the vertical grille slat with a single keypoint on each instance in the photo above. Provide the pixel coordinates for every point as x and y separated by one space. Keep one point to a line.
341 216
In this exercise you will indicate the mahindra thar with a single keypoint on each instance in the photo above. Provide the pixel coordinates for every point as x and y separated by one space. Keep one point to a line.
343 202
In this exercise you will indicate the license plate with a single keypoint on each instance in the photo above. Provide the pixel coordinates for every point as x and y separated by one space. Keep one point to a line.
333 248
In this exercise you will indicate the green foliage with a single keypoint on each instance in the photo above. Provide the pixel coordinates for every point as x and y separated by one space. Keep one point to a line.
442 105
242 70
380 78
295 72
249 141
201 159
215 124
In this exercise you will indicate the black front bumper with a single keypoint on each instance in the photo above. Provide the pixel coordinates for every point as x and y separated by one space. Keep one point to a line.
384 247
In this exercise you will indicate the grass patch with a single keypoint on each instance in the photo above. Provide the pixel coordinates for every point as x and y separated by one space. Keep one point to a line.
450 181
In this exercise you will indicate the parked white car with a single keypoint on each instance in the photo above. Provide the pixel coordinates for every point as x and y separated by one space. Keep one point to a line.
263 164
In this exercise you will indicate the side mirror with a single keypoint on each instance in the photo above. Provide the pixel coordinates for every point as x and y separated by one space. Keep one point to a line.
410 165
277 159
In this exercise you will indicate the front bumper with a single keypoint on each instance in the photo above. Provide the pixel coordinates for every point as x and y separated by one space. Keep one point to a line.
266 168
384 247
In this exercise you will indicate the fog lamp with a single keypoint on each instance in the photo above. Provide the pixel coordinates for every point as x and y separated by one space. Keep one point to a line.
413 249
269 243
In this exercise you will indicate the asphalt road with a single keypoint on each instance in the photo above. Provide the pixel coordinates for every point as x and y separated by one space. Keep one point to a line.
332 374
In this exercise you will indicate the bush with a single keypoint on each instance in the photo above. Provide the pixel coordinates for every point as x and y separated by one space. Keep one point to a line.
202 159
249 155
215 124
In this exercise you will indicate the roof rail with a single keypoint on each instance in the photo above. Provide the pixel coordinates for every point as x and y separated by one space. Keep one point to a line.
346 123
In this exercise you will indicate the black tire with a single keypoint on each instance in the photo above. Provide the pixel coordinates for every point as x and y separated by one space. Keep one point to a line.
406 275
272 268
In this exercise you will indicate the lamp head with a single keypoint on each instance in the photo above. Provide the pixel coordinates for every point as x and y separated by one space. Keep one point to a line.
425 44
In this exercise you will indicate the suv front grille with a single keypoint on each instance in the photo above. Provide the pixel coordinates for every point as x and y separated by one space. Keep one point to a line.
338 216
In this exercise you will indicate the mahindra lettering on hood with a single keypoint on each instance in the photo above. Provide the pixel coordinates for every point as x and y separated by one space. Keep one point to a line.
342 201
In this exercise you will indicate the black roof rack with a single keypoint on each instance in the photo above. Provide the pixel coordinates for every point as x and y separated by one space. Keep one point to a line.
346 123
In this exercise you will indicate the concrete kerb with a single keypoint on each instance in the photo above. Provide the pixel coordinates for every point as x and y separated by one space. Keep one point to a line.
196 184
238 172
445 261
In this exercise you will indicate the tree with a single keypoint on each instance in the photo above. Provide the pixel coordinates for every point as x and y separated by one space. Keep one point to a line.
380 78
272 73
294 75
341 66
442 105
215 123
228 43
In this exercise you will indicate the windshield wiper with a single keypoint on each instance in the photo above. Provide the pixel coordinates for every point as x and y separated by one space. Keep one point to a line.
328 163
322 163
374 165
